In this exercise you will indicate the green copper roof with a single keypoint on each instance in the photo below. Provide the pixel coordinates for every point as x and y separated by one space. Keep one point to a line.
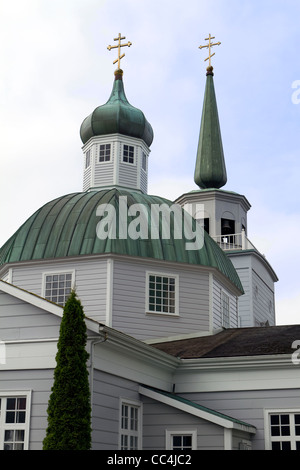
67 226
210 171
117 116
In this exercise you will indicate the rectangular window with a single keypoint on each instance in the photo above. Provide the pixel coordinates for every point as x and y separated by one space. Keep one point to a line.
225 310
284 430
104 153
162 294
58 287
14 422
144 162
130 433
181 440
87 159
128 154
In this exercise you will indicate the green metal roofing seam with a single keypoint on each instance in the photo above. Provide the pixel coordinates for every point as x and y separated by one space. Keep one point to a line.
117 115
67 226
210 170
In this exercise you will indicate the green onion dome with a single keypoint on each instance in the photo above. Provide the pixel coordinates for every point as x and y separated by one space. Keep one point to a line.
117 116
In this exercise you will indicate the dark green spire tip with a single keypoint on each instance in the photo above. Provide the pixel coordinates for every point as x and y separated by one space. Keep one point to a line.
210 170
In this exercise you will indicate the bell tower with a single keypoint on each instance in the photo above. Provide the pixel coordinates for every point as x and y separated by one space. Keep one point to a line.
224 214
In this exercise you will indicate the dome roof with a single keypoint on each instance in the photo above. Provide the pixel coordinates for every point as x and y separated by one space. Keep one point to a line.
117 116
67 226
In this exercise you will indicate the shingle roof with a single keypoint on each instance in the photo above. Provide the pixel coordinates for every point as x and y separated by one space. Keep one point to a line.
236 342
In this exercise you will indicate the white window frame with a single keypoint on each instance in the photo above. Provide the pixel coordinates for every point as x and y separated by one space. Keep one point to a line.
88 159
54 273
110 153
168 275
225 317
292 437
134 154
144 161
131 432
170 433
4 395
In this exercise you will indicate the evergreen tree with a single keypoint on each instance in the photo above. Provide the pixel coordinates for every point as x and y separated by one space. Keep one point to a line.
69 409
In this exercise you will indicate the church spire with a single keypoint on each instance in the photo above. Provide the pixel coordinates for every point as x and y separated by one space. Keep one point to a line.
210 170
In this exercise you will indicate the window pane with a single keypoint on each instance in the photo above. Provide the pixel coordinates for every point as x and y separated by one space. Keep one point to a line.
285 431
19 435
162 294
8 435
275 431
187 441
284 419
58 287
11 404
8 446
19 446
274 419
176 441
10 417
20 417
276 446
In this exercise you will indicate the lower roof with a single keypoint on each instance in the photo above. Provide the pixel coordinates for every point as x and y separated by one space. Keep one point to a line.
235 342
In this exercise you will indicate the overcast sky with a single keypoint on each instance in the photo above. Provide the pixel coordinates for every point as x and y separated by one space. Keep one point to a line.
55 69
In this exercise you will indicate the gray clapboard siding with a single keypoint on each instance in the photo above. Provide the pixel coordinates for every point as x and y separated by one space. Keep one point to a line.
218 288
87 178
129 301
90 282
104 173
249 406
128 175
159 417
263 300
40 382
144 181
245 301
106 408
20 320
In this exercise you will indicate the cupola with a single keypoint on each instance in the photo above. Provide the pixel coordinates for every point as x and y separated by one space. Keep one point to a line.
116 143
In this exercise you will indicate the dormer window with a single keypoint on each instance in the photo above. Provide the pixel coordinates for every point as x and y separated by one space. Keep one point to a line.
104 153
128 154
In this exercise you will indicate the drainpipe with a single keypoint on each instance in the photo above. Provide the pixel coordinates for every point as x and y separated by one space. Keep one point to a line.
93 344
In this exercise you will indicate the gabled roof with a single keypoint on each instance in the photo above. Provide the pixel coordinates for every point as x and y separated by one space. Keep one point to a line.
235 342
40 302
195 409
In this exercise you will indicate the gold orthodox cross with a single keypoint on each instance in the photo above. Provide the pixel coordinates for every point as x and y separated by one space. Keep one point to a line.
210 45
119 39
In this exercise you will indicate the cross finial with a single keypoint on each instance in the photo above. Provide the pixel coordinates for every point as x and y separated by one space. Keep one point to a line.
210 45
119 39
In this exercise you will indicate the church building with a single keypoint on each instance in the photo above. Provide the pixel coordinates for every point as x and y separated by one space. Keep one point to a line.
184 351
